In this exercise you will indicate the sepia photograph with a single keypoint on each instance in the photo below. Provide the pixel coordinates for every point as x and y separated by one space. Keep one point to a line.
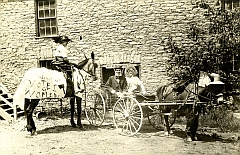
119 77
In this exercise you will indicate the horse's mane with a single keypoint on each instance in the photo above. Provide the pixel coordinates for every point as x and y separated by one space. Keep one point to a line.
179 87
82 63
160 92
183 85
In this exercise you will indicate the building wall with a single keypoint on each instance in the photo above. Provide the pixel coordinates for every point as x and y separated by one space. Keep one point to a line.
132 29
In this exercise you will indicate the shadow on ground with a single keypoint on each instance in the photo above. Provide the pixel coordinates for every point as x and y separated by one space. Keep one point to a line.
179 132
204 137
66 128
146 128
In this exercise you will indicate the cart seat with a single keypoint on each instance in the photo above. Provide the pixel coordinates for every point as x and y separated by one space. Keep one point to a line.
145 97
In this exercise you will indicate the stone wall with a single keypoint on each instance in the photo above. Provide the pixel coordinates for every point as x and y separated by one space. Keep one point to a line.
108 27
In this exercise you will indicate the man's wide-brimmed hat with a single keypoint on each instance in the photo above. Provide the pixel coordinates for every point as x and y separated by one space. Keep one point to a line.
131 68
64 38
61 39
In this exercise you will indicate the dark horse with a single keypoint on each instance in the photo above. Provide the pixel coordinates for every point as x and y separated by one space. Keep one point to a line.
85 68
184 92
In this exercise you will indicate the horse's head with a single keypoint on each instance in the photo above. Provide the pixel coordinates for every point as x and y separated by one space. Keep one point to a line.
89 66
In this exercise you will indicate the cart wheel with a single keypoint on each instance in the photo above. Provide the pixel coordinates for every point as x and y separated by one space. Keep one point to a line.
95 109
156 118
127 115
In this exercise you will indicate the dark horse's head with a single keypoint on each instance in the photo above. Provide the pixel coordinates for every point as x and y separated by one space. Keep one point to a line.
89 66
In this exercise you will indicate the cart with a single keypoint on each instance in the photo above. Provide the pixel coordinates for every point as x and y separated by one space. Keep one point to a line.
129 111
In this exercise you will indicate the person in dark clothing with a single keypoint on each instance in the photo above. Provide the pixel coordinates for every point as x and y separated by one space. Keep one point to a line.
117 82
116 85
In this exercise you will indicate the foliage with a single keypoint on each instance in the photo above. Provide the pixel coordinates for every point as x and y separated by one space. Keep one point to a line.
220 118
213 43
212 46
236 103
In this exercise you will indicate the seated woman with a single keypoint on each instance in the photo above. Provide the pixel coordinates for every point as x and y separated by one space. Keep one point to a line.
136 87
133 82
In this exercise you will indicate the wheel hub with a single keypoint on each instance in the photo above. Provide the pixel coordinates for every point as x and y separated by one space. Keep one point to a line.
126 115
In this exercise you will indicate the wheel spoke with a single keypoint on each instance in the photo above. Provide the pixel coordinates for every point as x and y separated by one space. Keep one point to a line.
131 105
119 110
124 125
124 105
136 112
131 121
99 112
96 113
139 118
135 121
130 128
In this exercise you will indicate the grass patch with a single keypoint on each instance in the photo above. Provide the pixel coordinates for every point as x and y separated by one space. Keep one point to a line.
236 102
220 118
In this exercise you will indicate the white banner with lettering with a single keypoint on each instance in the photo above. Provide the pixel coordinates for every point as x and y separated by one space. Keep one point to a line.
40 83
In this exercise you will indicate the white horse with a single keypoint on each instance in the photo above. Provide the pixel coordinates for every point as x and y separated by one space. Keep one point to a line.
40 83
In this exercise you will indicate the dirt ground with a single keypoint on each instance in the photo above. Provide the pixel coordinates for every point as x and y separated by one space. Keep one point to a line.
56 136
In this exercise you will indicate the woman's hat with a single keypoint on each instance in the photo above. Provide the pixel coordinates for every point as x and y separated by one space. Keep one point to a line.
65 38
131 68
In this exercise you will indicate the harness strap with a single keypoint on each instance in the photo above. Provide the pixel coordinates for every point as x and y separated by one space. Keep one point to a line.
199 95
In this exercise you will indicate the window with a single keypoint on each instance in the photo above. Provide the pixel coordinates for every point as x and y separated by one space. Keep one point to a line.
46 63
46 18
236 62
230 4
107 71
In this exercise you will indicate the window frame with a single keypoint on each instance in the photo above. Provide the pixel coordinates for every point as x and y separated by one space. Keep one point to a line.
231 4
235 62
108 70
50 19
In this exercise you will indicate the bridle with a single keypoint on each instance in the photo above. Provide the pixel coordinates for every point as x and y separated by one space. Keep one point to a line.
89 71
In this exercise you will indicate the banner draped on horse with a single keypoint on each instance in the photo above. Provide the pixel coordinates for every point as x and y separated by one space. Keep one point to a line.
40 83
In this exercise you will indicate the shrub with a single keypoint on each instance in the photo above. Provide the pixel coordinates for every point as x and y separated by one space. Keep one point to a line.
236 102
220 118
